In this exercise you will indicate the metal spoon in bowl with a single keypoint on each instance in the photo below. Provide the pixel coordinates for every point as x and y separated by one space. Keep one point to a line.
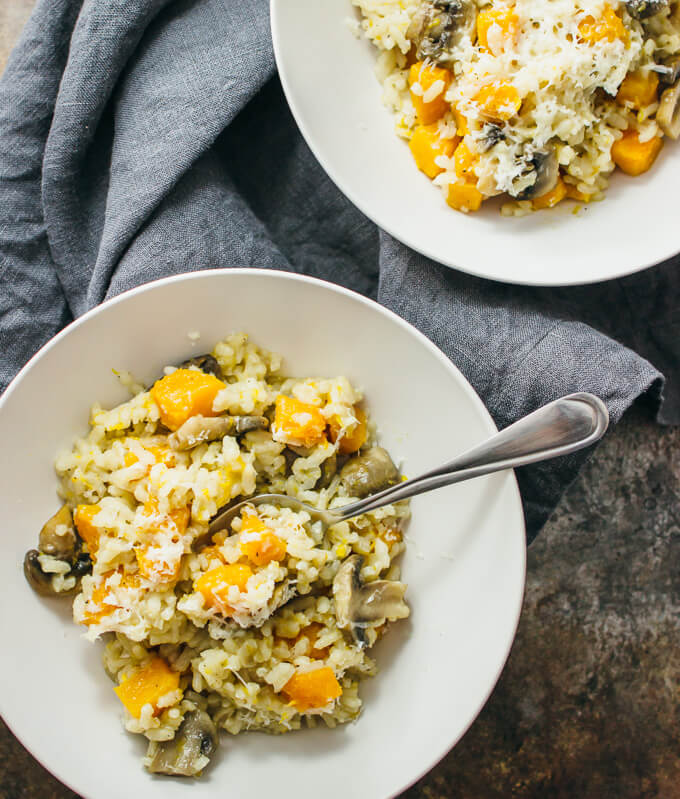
558 428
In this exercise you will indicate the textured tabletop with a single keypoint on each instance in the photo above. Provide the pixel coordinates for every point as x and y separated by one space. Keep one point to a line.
589 703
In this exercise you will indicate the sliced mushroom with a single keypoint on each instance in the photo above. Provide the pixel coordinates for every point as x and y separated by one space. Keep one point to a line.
439 25
199 428
328 469
206 363
359 604
368 473
39 581
669 71
641 9
81 566
491 135
542 169
668 114
63 545
189 752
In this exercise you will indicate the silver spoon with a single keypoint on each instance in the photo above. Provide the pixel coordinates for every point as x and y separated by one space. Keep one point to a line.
558 428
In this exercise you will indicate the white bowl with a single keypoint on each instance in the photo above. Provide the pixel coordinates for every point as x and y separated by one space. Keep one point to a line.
464 565
328 77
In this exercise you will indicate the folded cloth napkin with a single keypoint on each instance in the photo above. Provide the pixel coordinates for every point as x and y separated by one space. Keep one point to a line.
144 138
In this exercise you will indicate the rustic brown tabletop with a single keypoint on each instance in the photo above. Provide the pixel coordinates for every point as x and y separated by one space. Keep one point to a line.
589 703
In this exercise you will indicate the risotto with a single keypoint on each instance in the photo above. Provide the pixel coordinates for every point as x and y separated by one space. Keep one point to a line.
532 100
251 628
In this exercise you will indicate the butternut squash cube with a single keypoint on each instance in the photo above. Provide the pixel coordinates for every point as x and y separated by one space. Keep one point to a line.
298 423
425 146
157 569
464 197
101 597
462 125
185 393
633 156
258 543
147 686
215 584
355 438
608 27
552 197
310 690
499 100
497 28
429 79
87 530
464 160
638 89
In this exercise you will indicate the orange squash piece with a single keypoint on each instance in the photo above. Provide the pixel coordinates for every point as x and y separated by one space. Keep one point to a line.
464 159
185 393
157 571
638 89
147 686
462 125
353 440
310 690
298 423
464 197
506 20
215 584
552 197
499 100
608 27
258 543
633 156
426 76
425 146
99 594
89 532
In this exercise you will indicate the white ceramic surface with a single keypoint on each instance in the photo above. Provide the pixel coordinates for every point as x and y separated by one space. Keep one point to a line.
328 77
464 565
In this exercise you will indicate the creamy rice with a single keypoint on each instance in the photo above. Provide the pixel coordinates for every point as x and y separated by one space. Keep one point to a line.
532 100
227 628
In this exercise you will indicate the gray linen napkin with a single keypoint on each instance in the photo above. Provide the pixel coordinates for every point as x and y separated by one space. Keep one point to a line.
144 138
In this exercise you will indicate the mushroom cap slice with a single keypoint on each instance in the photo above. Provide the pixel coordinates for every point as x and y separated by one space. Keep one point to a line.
668 113
439 25
369 472
40 582
641 9
63 545
188 753
544 170
359 605
669 71
206 363
199 429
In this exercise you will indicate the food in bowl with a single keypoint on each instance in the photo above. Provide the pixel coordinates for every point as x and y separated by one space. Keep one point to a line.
264 626
532 100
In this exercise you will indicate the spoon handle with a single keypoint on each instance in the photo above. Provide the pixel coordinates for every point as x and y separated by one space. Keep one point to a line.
558 428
